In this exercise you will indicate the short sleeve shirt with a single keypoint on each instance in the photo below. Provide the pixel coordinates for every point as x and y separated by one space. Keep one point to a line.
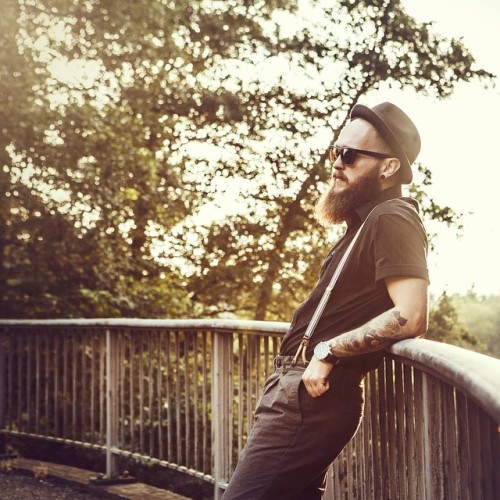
392 243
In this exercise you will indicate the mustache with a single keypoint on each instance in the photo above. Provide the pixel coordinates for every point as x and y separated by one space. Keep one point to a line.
339 176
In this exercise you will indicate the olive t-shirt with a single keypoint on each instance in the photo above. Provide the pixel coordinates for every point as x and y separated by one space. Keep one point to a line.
392 242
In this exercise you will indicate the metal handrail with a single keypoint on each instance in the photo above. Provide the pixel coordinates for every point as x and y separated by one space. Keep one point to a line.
232 325
476 375
420 383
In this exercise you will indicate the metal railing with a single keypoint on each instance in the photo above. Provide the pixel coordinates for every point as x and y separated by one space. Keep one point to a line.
181 393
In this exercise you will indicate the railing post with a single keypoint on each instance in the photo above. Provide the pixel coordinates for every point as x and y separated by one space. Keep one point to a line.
2 391
433 438
111 404
222 373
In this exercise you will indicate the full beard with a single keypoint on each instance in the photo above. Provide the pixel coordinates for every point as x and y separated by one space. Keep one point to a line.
335 208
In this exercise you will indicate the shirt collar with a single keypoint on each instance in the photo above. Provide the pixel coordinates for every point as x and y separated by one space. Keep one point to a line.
385 195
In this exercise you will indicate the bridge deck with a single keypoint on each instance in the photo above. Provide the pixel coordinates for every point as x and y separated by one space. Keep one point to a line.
81 478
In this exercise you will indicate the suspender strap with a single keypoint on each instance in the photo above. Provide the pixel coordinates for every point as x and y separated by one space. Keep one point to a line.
324 299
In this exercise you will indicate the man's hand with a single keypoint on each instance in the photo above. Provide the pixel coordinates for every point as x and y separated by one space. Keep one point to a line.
315 377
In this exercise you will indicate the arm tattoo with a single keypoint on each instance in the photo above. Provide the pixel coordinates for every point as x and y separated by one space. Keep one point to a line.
402 321
375 335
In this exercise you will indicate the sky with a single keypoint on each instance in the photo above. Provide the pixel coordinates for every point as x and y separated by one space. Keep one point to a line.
460 145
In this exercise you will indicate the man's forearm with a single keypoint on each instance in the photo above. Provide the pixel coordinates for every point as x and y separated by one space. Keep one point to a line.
378 333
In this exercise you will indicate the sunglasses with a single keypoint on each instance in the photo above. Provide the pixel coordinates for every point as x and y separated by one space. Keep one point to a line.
348 155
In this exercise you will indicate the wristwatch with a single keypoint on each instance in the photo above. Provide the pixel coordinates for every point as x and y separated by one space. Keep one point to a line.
322 352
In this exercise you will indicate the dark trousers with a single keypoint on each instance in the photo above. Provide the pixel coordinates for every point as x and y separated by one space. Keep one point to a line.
296 437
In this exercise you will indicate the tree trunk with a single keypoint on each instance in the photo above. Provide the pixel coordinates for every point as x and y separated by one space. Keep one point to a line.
288 224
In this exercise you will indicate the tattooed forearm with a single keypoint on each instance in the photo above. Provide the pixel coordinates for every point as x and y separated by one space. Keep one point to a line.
377 334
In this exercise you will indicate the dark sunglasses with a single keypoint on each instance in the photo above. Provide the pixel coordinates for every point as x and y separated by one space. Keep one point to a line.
348 155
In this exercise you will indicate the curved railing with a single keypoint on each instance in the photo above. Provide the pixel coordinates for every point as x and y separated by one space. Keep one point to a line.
181 393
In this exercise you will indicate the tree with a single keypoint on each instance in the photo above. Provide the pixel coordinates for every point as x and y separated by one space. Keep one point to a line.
102 160
444 326
110 172
260 261
480 315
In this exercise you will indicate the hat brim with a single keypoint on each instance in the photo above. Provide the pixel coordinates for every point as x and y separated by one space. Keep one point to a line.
366 113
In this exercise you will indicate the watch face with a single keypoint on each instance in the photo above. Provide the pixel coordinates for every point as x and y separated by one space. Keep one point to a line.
322 350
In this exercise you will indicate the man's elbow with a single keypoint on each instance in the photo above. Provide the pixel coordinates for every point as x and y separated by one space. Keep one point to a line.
417 326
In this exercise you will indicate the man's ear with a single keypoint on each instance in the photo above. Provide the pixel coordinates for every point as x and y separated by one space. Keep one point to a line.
389 167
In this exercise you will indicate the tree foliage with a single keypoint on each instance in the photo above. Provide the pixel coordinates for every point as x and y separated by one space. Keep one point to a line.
480 315
350 49
445 326
110 168
94 169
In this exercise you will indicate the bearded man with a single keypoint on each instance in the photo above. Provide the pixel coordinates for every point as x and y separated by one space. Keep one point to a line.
311 409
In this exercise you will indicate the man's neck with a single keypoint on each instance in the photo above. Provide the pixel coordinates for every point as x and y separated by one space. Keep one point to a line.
361 212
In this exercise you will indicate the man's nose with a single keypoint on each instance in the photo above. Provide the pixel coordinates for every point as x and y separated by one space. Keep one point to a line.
338 165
